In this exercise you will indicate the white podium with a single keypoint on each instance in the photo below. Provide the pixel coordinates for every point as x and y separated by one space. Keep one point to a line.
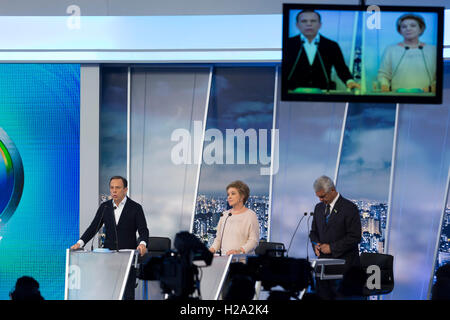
214 277
97 275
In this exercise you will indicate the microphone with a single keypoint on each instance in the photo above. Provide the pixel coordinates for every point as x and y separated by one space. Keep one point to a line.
322 65
398 64
98 225
115 228
298 224
296 60
223 230
426 67
307 239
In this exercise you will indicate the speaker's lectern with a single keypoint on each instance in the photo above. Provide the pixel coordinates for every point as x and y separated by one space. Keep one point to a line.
97 275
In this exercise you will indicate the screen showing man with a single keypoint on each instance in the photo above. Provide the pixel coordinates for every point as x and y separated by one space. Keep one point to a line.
312 56
362 54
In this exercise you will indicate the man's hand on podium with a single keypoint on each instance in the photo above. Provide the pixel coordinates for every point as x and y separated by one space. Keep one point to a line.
76 246
353 85
240 251
142 249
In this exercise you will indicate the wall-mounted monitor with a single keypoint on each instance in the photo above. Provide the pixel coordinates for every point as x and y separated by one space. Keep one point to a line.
362 54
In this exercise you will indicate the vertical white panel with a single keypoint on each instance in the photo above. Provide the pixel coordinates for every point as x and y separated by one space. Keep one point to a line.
128 125
200 156
344 120
274 158
89 143
163 101
391 182
422 159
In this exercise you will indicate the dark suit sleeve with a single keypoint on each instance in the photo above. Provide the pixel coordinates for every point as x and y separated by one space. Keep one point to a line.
353 232
290 53
95 225
314 235
141 225
339 64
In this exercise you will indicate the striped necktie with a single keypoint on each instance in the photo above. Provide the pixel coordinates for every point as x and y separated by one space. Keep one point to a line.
327 213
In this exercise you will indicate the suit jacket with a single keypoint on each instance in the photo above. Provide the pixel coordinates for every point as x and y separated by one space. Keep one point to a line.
313 76
131 220
342 232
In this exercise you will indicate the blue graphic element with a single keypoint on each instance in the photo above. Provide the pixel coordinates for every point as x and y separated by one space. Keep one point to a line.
40 112
11 177
6 179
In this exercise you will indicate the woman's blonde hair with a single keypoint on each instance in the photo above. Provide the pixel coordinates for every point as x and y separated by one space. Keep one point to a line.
241 187
411 16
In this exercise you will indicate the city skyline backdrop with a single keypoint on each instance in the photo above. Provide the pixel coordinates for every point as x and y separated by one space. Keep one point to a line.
239 99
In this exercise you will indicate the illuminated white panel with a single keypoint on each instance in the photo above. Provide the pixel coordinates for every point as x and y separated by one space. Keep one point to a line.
147 38
142 33
155 57
447 31
195 38
447 53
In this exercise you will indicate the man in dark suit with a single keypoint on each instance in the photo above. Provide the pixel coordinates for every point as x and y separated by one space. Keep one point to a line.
335 231
310 57
122 217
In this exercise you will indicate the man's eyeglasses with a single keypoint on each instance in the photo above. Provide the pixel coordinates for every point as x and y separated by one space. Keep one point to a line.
323 196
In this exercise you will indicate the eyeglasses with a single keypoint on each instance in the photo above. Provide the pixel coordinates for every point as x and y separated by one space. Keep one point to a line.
323 196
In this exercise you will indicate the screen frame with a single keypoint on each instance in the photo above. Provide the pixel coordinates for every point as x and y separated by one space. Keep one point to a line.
414 99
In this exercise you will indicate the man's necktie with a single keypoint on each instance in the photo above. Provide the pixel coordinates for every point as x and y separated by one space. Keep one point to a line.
327 213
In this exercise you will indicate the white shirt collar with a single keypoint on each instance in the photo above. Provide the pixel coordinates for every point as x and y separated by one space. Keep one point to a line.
316 39
310 48
334 202
121 204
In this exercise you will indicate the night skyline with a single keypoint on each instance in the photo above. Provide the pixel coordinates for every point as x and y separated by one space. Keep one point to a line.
209 208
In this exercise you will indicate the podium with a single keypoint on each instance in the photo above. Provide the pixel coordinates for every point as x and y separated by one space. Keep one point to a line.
97 275
317 264
214 277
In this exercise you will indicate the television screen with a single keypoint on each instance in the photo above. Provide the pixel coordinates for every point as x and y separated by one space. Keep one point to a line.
362 54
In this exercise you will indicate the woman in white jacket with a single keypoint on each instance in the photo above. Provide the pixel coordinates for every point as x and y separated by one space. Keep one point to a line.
238 228
410 64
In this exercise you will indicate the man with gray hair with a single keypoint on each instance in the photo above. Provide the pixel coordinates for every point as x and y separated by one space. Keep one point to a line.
335 230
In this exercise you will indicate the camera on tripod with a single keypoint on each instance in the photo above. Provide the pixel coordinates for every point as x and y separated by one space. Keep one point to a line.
177 270
273 269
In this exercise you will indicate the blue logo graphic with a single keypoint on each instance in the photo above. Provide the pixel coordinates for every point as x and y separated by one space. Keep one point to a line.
11 177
